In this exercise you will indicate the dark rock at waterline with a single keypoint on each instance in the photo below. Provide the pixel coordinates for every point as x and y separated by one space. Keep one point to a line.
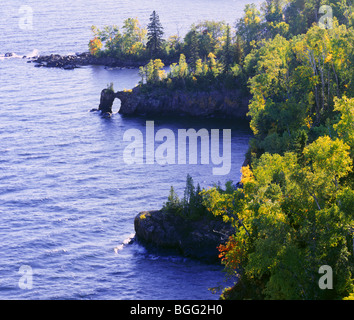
70 67
194 239
106 101
58 61
69 62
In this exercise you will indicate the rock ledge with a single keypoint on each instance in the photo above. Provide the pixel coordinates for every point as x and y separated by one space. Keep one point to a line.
194 239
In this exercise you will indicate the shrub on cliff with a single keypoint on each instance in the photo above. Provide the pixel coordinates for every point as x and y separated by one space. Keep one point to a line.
204 76
173 204
110 87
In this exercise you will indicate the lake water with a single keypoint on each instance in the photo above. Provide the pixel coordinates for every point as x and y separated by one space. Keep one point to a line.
67 198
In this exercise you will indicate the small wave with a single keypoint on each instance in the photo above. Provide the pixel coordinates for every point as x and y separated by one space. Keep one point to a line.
168 256
33 54
13 55
124 243
55 252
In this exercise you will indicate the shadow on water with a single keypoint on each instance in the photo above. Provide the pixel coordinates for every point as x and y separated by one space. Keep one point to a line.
187 122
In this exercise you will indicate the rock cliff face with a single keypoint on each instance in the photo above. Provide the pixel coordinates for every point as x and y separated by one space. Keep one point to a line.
194 239
215 103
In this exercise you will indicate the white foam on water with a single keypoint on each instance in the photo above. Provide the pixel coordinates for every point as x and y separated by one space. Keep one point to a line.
33 54
124 243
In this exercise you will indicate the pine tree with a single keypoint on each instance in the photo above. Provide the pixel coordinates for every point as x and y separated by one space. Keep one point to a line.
227 51
173 204
194 50
238 54
189 195
155 33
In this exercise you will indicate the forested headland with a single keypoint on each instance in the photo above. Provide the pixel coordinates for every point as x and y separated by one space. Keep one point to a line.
295 210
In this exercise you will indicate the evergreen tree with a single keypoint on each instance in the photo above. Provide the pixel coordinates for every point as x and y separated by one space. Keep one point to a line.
227 51
273 11
173 204
189 195
238 54
155 33
194 50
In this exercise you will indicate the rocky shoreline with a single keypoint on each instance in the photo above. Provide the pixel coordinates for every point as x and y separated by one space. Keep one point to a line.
193 239
69 62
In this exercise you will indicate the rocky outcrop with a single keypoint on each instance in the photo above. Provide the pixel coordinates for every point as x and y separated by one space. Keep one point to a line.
214 103
106 102
83 59
195 239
